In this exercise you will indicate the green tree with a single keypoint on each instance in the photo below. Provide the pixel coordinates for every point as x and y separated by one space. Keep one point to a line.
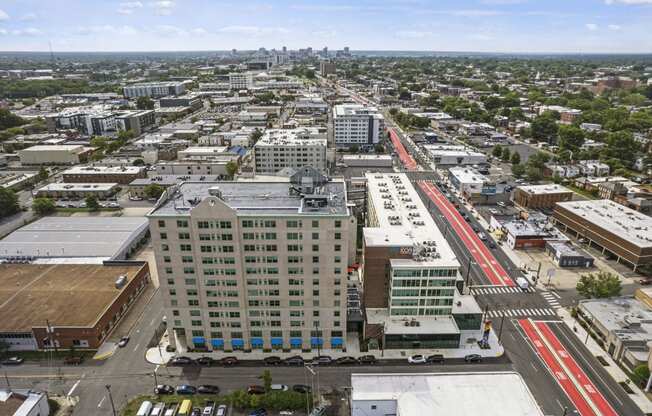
640 375
599 285
42 174
570 138
267 380
9 119
8 202
126 135
505 154
497 151
379 148
255 136
153 190
43 206
544 127
518 170
138 162
4 348
354 148
516 158
144 103
92 203
99 142
231 168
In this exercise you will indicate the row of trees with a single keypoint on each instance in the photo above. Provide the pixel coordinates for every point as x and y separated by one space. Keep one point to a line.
407 120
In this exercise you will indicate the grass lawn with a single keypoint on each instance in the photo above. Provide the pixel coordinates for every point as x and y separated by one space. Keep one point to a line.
72 210
45 355
582 192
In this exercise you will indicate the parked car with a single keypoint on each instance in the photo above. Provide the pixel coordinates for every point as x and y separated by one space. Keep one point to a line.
208 389
473 358
221 410
273 360
158 409
367 359
417 359
205 361
163 389
491 245
435 358
172 409
196 411
301 388
255 389
209 409
318 411
186 389
73 360
228 361
181 361
13 361
321 360
346 361
296 360
279 387
258 412
123 342
645 281
482 236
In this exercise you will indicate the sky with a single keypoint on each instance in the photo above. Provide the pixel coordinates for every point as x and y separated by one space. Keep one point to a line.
567 26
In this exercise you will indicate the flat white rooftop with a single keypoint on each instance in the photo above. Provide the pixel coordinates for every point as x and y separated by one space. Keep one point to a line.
403 219
103 170
76 148
292 137
77 187
367 157
467 175
343 110
458 394
614 218
544 189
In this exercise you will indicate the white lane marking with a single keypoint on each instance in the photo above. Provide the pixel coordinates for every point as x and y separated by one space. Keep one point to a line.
136 347
101 401
72 389
555 294
534 367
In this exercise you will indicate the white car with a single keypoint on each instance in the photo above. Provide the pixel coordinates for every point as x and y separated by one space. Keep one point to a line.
417 359
279 387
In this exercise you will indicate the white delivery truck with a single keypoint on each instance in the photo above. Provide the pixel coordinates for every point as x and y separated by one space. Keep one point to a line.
523 283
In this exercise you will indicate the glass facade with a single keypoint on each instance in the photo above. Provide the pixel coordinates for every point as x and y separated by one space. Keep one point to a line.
422 291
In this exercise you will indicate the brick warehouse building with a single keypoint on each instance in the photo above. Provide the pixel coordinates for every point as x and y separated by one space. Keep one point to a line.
82 303
541 196
611 227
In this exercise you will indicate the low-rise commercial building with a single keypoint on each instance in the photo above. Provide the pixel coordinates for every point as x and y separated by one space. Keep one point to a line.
54 155
77 239
523 234
355 124
241 80
621 326
410 275
541 196
459 394
449 155
23 402
154 89
609 226
190 101
17 180
66 305
216 166
88 121
103 174
291 148
565 255
77 190
365 160
137 187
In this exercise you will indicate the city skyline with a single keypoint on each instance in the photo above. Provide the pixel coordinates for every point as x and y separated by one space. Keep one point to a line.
517 26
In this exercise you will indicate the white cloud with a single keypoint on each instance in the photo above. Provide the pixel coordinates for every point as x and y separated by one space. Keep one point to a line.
323 7
253 30
106 29
129 7
3 15
413 34
28 31
28 17
628 1
614 27
324 33
503 2
169 30
466 12
3 31
591 26
480 36
199 31
163 7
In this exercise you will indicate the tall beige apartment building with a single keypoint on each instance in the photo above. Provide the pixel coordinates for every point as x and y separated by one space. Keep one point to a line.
256 265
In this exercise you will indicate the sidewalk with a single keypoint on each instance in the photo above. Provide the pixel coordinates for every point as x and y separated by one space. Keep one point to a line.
639 397
468 343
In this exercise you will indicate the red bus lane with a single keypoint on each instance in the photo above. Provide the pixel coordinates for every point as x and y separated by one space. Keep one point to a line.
408 161
589 388
556 370
483 257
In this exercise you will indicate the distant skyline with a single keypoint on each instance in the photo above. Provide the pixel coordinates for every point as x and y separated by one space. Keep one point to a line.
521 26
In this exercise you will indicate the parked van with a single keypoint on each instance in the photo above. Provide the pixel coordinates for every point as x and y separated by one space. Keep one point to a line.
172 409
522 283
185 409
144 409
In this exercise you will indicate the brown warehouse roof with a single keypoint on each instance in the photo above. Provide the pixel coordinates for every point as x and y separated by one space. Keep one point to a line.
64 294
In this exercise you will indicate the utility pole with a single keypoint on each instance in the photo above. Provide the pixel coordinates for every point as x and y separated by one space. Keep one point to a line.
468 273
155 379
7 380
502 322
108 388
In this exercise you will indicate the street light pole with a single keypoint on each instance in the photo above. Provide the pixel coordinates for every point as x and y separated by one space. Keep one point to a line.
502 321
108 388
